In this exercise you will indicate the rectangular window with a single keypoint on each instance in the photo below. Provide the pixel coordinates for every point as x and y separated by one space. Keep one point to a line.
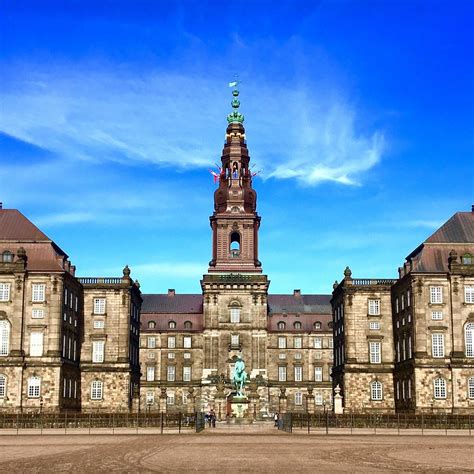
318 355
151 342
36 344
151 355
403 302
38 292
99 305
187 355
65 296
374 349
34 387
37 313
396 305
298 398
171 373
282 374
171 342
437 344
318 342
71 300
150 398
185 398
282 355
171 355
297 342
150 374
318 374
298 355
4 291
408 298
234 340
374 307
187 342
170 398
76 307
298 374
98 351
469 294
437 315
409 347
282 342
374 325
99 324
96 390
235 315
318 398
331 341
436 294
186 374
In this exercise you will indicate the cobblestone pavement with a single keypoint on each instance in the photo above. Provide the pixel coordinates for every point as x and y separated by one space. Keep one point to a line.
235 449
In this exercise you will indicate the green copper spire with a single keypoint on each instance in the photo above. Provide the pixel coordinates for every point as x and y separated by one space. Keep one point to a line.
235 116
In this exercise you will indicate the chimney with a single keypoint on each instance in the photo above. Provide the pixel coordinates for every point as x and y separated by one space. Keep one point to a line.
296 292
171 292
1 205
472 207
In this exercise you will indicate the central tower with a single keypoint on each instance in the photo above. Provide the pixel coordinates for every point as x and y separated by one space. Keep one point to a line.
235 221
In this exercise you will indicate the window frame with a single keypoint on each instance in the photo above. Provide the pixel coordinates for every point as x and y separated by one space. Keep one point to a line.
97 390
5 289
374 306
375 356
98 351
100 305
34 387
36 346
438 349
376 391
282 373
5 335
234 315
469 339
3 386
469 295
440 391
38 292
436 294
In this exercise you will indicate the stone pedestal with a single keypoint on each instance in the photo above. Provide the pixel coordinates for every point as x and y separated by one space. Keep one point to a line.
239 407
220 406
163 400
283 401
191 405
310 402
338 410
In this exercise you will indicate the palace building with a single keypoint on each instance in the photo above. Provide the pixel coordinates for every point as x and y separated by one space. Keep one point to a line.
98 343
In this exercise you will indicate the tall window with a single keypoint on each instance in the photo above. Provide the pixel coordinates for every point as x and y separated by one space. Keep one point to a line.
282 343
297 342
171 342
97 389
235 315
171 373
186 374
234 340
439 388
4 338
150 374
187 342
468 337
151 342
470 387
36 344
170 398
376 392
4 291
436 294
3 386
374 307
318 342
34 387
437 344
298 398
98 351
99 305
375 349
469 294
318 374
38 291
318 398
282 373
298 374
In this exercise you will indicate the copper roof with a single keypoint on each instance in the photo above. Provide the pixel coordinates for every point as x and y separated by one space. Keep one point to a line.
15 226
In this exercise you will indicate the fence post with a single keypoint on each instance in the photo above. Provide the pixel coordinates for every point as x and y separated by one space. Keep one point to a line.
65 423
113 423
90 422
309 423
161 423
137 420
422 423
179 423
375 423
446 424
398 423
469 425
327 422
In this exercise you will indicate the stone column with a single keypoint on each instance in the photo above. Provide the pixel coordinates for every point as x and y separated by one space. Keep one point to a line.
338 410
310 401
191 408
163 397
283 402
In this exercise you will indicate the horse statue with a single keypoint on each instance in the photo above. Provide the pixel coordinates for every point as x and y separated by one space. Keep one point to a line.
239 377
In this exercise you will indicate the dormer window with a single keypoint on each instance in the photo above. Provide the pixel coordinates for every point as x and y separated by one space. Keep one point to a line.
172 325
281 325
188 325
317 325
151 325
467 259
297 325
7 257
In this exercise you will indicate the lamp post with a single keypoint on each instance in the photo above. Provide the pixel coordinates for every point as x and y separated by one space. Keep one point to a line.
41 405
325 415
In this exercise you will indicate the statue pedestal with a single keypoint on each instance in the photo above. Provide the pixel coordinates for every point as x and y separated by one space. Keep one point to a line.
239 407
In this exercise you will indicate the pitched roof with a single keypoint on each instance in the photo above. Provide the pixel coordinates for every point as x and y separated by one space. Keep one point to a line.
458 229
15 226
297 303
172 303
41 256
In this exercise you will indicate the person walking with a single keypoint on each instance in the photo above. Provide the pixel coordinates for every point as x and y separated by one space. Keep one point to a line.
276 417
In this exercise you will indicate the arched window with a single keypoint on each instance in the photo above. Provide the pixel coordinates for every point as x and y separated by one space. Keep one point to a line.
297 325
376 392
34 387
172 325
97 390
469 339
4 338
3 386
317 325
439 388
188 325
281 325
234 244
470 387
151 325
7 256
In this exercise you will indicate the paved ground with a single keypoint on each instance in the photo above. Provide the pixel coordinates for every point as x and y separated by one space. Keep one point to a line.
235 449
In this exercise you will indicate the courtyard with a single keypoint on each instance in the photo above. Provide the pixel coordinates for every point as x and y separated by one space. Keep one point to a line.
234 449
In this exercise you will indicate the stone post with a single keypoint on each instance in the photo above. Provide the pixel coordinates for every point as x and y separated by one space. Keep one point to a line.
136 399
338 410
283 401
310 401
163 398
191 401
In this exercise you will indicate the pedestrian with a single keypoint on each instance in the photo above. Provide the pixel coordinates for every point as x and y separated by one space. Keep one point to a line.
209 419
276 417
213 418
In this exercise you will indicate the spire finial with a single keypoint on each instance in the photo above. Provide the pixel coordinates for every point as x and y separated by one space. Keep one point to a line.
235 116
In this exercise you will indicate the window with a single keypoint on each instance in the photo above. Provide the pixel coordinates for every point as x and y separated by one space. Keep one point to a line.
3 386
436 294
151 325
170 398
171 342
171 355
97 389
281 325
187 355
234 340
318 342
297 355
317 325
469 294
403 301
150 374
436 315
297 325
4 291
235 315
37 313
36 344
187 342
150 342
297 342
374 349
396 306
408 298
374 307
98 351
374 325
151 355
34 387
470 387
318 398
298 398
99 305
38 292
376 390
172 325
186 374
282 355
468 337
318 374
437 344
282 343
4 338
234 244
439 388
7 257
171 373
99 324
298 374
282 374
188 325
467 259
330 342
409 347
150 398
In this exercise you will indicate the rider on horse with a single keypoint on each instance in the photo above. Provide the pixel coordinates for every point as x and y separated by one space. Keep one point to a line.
240 376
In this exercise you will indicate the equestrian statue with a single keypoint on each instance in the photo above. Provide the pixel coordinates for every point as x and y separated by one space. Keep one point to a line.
239 376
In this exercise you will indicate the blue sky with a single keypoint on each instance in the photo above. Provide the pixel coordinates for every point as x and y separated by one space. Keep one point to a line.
360 115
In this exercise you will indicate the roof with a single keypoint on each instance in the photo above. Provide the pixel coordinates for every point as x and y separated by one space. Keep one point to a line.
306 322
458 229
433 259
172 303
41 256
162 320
298 303
15 226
